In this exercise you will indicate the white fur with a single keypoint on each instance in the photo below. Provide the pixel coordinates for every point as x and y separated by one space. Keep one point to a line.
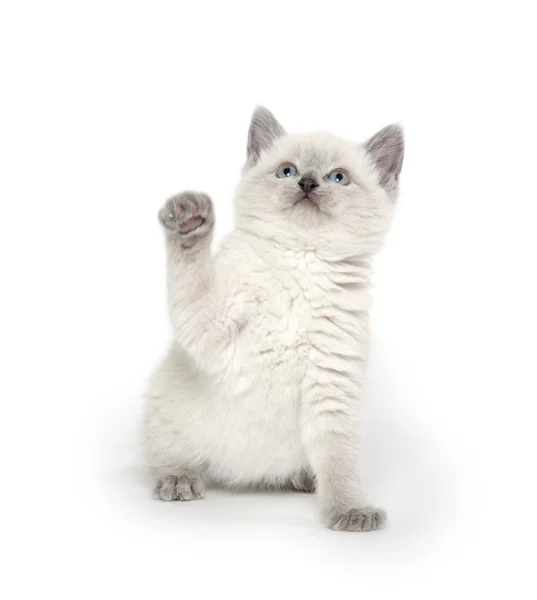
265 376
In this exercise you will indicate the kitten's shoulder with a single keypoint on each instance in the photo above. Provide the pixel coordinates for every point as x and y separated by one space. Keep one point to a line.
245 251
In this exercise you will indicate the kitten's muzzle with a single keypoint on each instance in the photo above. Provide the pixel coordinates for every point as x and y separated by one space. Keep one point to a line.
307 184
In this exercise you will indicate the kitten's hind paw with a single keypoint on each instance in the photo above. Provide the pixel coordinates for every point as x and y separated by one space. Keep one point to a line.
303 481
188 215
358 519
184 487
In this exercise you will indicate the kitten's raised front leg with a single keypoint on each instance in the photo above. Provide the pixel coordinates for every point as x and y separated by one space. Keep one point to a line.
204 316
329 431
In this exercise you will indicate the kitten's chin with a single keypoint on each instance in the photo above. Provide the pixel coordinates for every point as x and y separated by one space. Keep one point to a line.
306 213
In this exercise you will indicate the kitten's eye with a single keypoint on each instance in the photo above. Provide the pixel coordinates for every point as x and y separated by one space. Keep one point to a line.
287 170
340 176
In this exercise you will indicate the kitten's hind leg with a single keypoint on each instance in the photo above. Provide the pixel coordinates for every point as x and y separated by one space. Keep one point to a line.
302 481
183 485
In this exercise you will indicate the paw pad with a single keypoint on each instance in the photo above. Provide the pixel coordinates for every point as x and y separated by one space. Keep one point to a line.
188 212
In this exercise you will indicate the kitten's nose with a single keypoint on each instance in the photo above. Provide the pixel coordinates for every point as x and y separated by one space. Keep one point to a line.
307 184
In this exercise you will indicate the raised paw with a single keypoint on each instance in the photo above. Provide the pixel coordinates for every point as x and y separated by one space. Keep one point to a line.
188 214
184 487
358 519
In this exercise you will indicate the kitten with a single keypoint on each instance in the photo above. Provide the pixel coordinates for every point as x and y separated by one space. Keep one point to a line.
263 383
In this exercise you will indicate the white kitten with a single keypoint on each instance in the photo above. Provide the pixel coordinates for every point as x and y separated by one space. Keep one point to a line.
264 381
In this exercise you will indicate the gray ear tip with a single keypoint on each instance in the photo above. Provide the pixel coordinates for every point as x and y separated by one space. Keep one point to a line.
394 130
389 136
261 111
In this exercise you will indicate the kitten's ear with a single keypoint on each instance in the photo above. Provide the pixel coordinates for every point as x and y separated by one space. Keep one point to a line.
386 150
264 129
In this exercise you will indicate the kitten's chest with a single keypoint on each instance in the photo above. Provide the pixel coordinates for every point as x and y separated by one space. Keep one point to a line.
306 303
287 299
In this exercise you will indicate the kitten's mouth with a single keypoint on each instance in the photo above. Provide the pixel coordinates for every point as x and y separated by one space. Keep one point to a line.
307 200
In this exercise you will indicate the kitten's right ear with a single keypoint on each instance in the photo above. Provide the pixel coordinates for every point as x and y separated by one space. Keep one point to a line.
264 129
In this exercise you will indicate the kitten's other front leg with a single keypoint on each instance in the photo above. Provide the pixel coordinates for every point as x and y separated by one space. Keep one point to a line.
329 431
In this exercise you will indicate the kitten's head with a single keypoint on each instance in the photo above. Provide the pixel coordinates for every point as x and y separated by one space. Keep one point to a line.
318 180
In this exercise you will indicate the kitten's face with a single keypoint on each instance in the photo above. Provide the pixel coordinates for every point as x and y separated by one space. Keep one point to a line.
316 180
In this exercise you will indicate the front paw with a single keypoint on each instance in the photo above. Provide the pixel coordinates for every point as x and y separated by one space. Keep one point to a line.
183 487
365 518
188 214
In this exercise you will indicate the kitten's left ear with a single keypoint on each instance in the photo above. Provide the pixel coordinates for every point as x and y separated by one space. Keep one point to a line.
264 129
386 150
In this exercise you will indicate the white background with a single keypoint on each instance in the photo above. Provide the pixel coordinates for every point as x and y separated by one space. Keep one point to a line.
107 108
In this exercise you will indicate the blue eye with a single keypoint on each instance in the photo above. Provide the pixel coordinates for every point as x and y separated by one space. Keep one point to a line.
286 170
339 176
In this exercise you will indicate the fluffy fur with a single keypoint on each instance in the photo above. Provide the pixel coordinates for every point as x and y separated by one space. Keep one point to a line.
263 383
